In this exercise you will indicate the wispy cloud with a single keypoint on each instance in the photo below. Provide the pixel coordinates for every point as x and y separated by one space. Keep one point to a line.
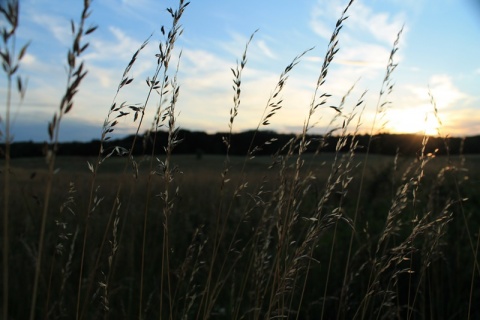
113 47
377 31
365 41
262 45
462 123
364 54
362 20
324 13
383 26
206 92
149 14
258 48
446 94
57 26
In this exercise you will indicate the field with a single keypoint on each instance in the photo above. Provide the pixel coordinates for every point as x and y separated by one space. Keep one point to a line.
425 273
295 235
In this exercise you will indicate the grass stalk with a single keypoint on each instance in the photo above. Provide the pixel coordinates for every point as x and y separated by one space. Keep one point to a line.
10 10
6 195
386 88
472 282
75 77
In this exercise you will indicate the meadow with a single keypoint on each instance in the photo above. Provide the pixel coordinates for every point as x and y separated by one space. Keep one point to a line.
293 235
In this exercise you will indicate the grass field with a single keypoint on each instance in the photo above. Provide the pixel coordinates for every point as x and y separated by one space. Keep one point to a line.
439 290
342 235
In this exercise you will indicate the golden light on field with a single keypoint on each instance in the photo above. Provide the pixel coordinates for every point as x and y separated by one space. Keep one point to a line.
419 120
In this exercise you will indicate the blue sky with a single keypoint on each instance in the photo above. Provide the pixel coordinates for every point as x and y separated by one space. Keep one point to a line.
438 51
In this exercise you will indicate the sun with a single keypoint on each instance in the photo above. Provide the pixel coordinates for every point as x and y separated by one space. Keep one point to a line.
420 120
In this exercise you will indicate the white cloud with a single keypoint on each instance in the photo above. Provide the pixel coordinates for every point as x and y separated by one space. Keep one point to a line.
57 26
382 26
258 48
120 47
362 21
107 78
365 43
29 59
444 91
107 58
363 54
198 61
324 15
150 14
207 93
262 45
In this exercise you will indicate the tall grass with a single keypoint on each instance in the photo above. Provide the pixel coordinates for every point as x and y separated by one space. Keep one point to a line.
300 235
10 64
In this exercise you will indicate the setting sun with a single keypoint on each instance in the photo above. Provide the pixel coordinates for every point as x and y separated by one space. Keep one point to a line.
413 120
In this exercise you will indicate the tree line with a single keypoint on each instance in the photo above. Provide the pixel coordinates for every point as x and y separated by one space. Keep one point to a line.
261 143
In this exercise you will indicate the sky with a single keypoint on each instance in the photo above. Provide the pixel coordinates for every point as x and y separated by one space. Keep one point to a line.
438 53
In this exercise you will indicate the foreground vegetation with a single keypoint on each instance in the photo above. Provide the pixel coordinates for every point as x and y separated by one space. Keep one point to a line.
322 235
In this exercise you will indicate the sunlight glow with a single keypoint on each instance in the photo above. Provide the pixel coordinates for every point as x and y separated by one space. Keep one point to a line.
419 120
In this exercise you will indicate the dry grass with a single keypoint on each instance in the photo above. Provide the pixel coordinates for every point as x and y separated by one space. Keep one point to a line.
296 235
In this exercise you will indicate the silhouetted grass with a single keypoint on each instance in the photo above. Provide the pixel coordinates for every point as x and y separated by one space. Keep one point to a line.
336 235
